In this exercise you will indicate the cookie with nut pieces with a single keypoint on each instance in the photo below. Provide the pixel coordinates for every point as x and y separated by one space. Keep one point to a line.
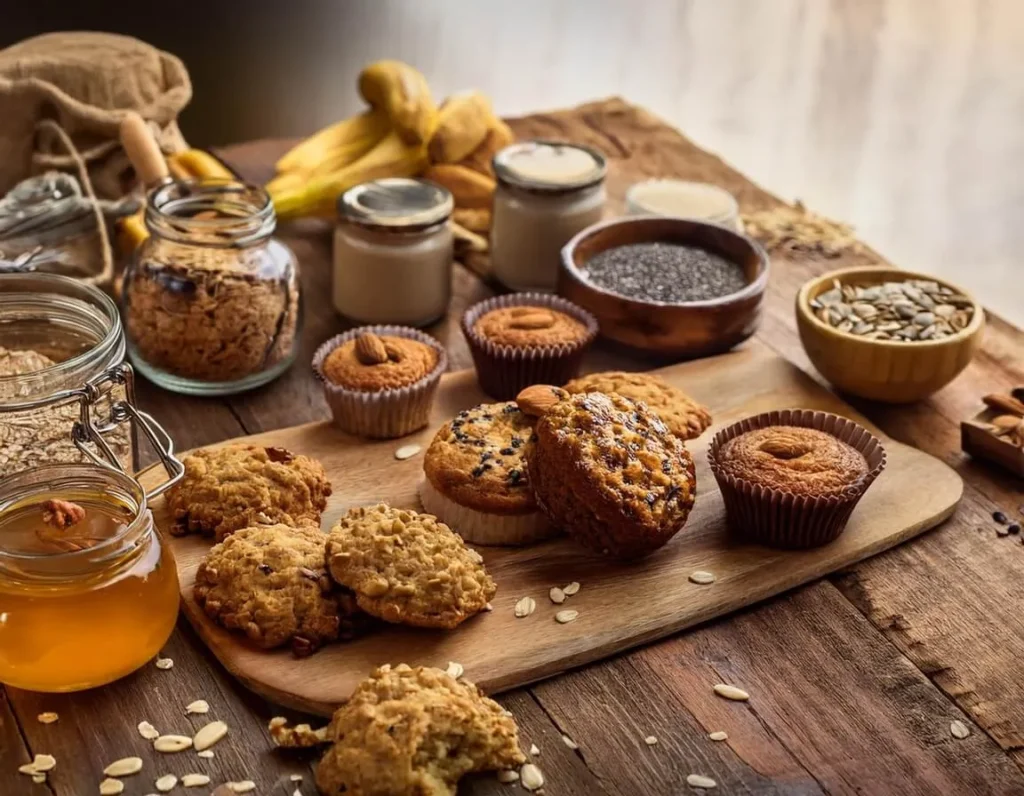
271 583
407 568
243 485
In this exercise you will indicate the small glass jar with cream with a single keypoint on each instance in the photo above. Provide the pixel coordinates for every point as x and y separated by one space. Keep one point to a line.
547 192
699 201
393 250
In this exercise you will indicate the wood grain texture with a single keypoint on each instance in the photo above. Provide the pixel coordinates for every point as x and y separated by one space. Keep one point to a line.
621 606
948 602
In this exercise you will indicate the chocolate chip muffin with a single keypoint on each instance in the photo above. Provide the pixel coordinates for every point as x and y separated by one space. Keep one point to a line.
791 478
271 583
242 485
524 339
611 474
684 417
380 381
475 477
407 568
415 731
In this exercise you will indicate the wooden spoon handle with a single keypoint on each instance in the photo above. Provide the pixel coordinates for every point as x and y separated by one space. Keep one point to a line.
143 151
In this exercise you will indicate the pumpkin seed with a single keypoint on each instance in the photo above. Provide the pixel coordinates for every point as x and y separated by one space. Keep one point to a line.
525 607
731 692
49 717
407 452
244 786
111 787
199 706
124 767
195 780
718 735
166 783
700 781
556 595
702 577
172 743
571 589
209 735
564 617
651 740
148 731
206 754
531 777
959 730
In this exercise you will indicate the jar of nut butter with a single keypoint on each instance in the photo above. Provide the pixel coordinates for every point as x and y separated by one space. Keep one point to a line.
547 192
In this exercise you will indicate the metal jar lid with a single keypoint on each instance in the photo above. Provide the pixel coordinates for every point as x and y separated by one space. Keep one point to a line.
576 177
396 203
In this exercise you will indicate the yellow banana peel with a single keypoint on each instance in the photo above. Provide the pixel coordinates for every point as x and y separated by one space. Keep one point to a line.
463 122
403 93
197 164
352 137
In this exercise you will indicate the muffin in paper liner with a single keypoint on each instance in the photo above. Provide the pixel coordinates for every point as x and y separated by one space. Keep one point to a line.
504 370
386 413
481 527
779 518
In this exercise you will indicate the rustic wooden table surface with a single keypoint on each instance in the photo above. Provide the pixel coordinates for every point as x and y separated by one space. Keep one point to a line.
854 679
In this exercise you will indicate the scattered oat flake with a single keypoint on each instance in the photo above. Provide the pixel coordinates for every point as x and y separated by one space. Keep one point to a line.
111 787
718 735
454 670
296 777
556 595
172 743
525 607
199 706
49 717
164 663
195 780
507 776
39 778
702 577
534 750
44 763
244 786
407 452
209 735
731 692
531 777
206 754
166 783
571 589
564 617
651 740
488 607
124 767
959 730
148 731
570 742
700 781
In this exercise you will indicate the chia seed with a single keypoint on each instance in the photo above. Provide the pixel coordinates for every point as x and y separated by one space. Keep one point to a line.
999 517
665 272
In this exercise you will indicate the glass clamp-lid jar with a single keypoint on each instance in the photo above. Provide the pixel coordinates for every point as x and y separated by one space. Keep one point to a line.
61 348
87 592
211 299
393 250
547 192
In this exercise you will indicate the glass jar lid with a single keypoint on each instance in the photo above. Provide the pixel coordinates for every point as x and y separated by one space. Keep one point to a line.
396 203
549 166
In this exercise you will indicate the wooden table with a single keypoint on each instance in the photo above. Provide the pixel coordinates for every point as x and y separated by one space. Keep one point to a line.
854 679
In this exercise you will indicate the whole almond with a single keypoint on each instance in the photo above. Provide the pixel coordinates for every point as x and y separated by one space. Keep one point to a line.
370 349
393 351
539 398
537 319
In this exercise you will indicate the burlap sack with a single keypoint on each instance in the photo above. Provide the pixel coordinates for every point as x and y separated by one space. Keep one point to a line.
84 82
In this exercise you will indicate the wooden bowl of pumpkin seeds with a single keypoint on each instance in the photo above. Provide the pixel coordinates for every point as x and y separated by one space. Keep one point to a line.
886 334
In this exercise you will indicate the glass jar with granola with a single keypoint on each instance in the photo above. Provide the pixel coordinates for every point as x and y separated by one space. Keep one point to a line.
211 299
61 355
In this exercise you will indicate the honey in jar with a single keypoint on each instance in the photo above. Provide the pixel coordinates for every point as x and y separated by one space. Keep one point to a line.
87 593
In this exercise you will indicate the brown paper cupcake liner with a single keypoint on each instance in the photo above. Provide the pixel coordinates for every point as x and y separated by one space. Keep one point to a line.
505 370
383 414
779 518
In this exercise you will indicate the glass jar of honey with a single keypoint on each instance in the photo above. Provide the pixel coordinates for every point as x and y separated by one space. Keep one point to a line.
87 592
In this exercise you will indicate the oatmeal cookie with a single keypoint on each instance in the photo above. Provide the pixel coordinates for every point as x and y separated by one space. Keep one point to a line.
476 479
610 474
241 485
407 568
271 583
684 417
415 732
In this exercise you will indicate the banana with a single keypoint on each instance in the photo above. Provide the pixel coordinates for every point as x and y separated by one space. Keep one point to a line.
391 157
462 126
404 95
354 136
199 165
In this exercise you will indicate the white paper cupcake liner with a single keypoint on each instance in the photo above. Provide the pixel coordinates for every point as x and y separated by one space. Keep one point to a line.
480 527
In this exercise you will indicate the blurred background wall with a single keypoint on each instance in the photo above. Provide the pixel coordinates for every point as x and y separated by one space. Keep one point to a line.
905 117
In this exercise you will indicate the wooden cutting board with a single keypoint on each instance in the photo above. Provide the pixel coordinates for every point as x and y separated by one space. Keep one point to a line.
620 606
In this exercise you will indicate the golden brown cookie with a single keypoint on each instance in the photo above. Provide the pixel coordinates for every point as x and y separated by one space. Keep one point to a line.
526 327
476 479
610 474
803 461
407 568
271 583
374 362
684 417
415 732
242 485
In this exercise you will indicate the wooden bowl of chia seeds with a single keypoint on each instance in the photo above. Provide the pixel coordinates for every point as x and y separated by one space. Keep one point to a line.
672 287
886 334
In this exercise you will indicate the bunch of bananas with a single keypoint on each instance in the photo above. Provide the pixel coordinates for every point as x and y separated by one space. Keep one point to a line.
402 134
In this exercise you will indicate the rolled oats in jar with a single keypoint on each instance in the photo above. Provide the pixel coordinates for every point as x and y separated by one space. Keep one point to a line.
61 347
211 299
